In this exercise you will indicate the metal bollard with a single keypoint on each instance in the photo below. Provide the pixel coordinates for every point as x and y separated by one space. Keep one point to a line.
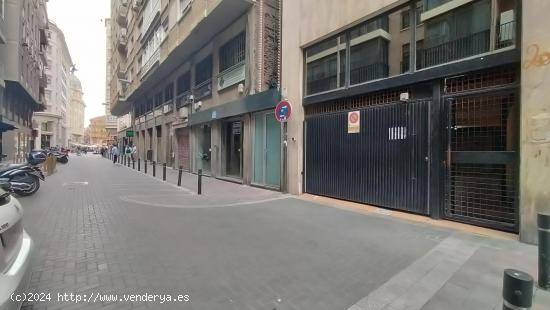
543 223
164 172
133 164
517 290
154 169
139 164
199 185
145 166
179 175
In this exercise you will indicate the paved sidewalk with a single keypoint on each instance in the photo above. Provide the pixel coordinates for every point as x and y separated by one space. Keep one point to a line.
103 228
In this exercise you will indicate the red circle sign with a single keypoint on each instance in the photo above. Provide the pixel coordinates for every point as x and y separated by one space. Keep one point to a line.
353 117
283 111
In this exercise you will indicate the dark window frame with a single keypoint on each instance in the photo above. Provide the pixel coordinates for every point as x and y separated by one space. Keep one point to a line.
233 52
183 84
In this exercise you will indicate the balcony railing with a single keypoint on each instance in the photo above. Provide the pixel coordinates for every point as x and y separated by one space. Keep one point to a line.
148 64
368 73
477 43
203 89
182 99
506 35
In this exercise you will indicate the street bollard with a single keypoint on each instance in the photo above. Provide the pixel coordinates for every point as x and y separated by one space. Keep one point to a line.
179 175
133 164
199 185
517 290
164 172
145 166
154 169
543 221
124 160
139 164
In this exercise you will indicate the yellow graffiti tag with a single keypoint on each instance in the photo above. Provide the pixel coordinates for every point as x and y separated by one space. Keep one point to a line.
535 57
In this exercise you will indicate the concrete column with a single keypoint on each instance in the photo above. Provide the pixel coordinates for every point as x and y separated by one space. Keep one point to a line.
246 151
292 79
535 116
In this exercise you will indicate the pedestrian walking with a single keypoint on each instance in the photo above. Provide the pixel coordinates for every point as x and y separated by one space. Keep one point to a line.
134 152
115 153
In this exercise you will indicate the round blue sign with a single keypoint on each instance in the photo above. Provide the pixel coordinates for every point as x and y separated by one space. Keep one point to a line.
283 111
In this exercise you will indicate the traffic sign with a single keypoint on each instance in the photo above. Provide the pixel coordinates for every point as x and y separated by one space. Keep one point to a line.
354 122
283 111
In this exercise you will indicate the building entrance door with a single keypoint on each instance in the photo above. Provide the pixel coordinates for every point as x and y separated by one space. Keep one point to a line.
267 150
203 149
232 149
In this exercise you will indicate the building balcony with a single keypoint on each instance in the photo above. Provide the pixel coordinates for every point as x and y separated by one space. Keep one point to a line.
122 41
150 62
451 50
122 15
217 17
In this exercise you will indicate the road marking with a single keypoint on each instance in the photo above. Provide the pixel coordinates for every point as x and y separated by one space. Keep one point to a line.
76 183
163 205
415 285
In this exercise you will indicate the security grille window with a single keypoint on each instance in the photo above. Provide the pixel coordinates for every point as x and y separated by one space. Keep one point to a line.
203 78
458 34
150 105
232 62
326 65
233 52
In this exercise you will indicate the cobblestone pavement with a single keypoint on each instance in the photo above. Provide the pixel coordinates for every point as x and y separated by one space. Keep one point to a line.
101 228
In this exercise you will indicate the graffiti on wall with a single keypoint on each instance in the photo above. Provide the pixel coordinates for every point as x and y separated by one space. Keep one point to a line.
536 57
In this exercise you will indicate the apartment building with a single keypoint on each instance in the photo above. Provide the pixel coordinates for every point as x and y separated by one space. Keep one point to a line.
199 79
77 108
53 124
111 122
23 42
433 107
96 132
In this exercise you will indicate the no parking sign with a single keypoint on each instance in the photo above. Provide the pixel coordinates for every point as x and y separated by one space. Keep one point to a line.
283 111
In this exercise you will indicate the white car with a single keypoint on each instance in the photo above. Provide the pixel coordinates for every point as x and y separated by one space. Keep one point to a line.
15 253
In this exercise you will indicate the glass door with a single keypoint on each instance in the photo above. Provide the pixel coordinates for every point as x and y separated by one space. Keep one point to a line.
267 150
203 149
233 148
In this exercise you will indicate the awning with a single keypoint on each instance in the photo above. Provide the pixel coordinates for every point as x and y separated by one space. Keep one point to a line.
5 125
265 100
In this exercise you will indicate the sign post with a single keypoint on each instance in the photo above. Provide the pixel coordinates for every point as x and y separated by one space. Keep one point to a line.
283 110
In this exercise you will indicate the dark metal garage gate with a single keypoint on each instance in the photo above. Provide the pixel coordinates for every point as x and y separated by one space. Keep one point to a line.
385 164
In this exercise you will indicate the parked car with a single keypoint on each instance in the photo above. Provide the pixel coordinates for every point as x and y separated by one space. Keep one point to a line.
15 252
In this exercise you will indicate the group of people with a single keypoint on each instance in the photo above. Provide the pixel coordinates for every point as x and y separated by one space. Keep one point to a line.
130 151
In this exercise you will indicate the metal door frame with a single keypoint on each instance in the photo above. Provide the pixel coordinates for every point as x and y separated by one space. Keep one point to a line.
447 100
264 184
427 137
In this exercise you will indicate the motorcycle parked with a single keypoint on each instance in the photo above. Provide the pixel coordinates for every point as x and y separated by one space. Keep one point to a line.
24 179
37 157
61 157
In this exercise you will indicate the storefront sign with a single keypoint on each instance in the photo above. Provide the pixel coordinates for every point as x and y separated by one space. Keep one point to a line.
354 122
283 111
129 133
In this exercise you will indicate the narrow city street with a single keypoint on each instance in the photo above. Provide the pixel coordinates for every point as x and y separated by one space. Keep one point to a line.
101 228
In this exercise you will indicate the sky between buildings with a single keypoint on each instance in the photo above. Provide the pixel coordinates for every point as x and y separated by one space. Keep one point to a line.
83 23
